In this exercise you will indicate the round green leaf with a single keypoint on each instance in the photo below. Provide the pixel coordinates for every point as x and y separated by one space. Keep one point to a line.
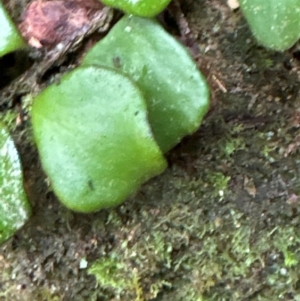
94 139
274 23
14 207
10 39
143 8
176 92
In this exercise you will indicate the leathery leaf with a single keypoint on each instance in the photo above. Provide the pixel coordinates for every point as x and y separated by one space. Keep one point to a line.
94 139
143 8
274 23
176 92
10 39
14 207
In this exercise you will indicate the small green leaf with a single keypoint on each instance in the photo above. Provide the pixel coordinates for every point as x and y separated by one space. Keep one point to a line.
274 23
94 139
143 8
10 39
14 207
176 92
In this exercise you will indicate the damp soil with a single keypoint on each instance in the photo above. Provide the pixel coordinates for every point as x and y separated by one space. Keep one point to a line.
221 223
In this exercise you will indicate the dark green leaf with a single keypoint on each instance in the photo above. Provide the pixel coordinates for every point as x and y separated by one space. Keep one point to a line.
94 139
274 23
10 39
144 8
176 92
14 208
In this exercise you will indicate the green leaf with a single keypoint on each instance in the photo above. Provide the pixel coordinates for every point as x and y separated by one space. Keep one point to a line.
176 92
94 139
143 8
14 207
10 39
274 23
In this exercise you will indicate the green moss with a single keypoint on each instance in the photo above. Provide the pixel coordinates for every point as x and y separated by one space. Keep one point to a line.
111 273
9 119
195 244
232 145
219 181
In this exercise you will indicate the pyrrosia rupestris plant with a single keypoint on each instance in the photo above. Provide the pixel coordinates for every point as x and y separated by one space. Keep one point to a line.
94 129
